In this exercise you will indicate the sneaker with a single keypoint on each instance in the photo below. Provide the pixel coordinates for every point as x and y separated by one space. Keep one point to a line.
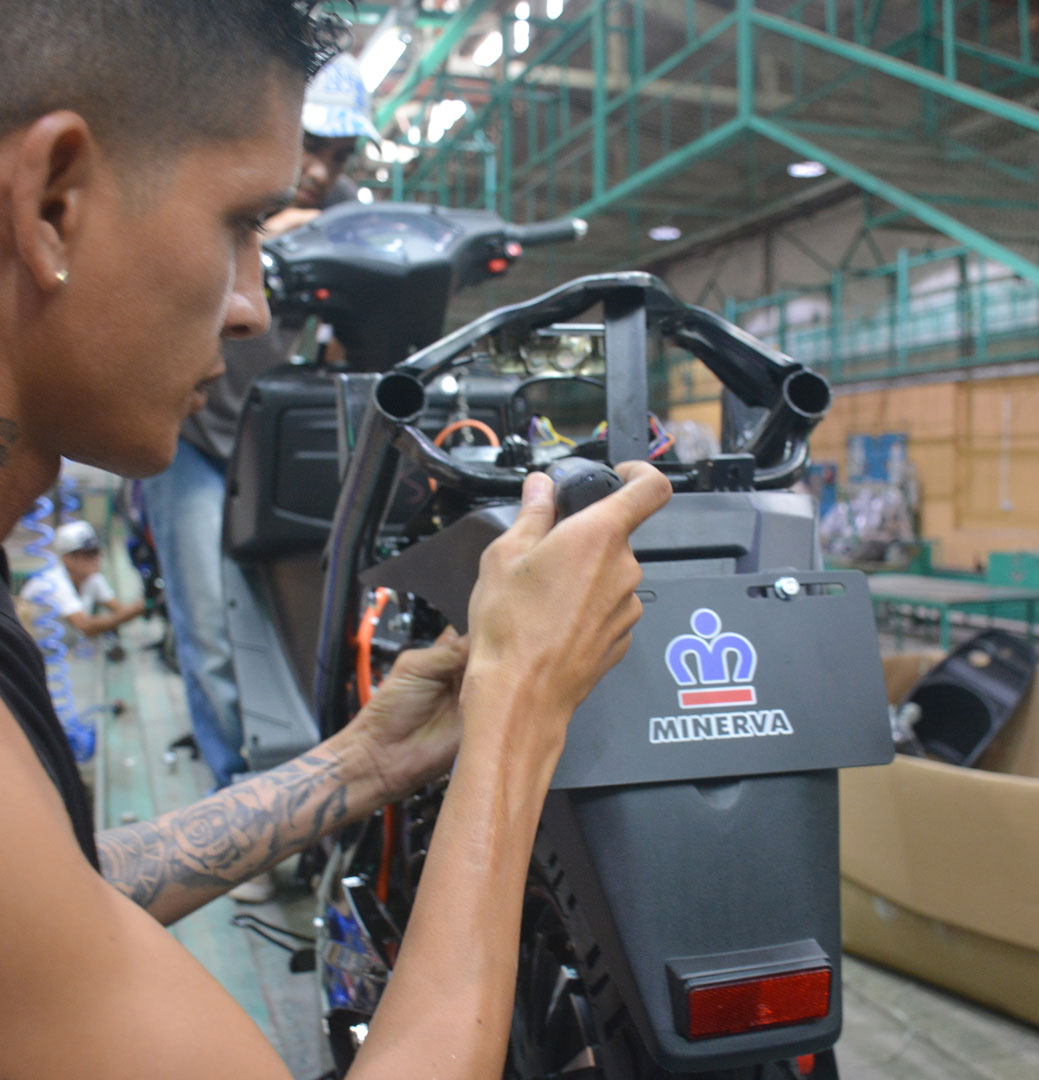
256 890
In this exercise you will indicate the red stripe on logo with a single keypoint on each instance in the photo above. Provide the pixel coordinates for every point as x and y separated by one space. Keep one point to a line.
741 695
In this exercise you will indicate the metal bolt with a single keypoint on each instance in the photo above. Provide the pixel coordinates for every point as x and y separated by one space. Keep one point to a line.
787 587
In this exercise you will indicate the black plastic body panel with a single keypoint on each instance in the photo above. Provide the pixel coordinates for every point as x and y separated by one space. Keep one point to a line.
743 856
665 871
283 477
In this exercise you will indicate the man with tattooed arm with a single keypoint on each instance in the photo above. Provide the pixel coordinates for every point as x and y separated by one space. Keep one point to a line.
142 144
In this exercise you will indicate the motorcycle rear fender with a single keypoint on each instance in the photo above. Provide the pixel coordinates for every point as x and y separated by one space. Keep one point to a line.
668 874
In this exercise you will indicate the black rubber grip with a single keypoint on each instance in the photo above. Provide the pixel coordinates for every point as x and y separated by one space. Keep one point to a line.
558 231
580 482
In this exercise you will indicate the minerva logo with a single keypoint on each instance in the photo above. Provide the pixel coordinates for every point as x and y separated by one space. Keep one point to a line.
714 672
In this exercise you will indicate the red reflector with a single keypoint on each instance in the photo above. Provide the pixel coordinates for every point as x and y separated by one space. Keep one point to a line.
806 1064
729 1008
321 294
498 266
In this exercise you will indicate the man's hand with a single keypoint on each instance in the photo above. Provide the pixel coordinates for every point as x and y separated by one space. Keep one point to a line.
555 604
411 727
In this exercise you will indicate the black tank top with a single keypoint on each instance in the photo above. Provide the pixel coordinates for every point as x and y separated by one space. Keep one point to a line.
23 687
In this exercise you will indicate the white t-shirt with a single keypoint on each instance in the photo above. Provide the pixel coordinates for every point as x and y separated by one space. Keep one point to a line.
94 591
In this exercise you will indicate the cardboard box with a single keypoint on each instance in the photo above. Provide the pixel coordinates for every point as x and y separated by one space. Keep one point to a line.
940 864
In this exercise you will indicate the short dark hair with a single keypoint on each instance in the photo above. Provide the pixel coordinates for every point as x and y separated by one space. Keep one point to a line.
154 75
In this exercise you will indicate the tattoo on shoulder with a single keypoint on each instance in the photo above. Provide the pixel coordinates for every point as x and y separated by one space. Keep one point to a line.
229 836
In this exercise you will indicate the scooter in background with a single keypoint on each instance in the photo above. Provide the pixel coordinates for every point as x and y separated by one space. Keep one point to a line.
681 916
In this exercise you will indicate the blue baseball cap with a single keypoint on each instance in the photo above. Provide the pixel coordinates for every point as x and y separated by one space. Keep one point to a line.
337 104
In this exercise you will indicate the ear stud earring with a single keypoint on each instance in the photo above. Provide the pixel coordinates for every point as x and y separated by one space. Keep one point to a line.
62 276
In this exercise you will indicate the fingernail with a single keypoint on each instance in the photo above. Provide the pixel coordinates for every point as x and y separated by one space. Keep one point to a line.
537 486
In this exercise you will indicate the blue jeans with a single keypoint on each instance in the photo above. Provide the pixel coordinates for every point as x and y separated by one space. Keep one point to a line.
184 507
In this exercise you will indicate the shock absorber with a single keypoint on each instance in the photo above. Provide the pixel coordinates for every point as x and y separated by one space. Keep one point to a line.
50 636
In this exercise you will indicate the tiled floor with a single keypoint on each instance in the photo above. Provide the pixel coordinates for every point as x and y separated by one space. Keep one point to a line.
895 1028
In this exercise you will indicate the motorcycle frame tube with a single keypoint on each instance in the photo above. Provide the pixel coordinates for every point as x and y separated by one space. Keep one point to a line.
770 843
397 399
804 400
795 397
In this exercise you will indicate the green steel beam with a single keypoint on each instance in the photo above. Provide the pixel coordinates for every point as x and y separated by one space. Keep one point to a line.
796 242
619 100
949 38
900 69
660 170
745 58
961 151
1023 29
997 59
476 122
599 100
373 14
809 127
896 48
431 60
924 211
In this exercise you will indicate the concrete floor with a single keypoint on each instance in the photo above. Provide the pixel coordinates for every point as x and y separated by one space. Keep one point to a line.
895 1028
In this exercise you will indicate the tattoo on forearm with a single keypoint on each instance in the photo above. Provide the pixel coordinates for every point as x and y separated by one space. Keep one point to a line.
228 837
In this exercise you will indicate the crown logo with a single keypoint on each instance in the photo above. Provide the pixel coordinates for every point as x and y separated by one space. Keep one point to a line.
719 660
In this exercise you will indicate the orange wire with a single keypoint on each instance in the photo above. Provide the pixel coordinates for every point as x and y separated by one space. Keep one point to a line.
364 645
467 422
365 633
457 425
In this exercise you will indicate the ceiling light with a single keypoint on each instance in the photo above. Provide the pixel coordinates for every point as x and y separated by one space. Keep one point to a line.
554 8
365 195
489 50
384 48
521 28
443 116
389 152
663 233
806 170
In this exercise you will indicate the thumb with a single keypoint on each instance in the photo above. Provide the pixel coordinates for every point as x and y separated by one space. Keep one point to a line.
538 510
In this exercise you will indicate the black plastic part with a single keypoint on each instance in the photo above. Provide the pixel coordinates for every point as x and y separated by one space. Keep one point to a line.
580 482
627 387
970 695
283 479
727 472
736 865
535 233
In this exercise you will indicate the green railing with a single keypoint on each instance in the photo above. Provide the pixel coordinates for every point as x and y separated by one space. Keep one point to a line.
958 312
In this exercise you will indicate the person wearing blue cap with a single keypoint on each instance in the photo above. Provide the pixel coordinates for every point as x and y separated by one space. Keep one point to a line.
184 504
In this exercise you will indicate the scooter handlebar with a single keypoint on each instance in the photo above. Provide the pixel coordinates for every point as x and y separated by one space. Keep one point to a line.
558 231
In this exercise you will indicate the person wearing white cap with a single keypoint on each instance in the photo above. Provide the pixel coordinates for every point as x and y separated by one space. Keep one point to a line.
184 504
75 586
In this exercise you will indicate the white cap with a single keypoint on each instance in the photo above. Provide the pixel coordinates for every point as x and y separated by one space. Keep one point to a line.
336 104
75 536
